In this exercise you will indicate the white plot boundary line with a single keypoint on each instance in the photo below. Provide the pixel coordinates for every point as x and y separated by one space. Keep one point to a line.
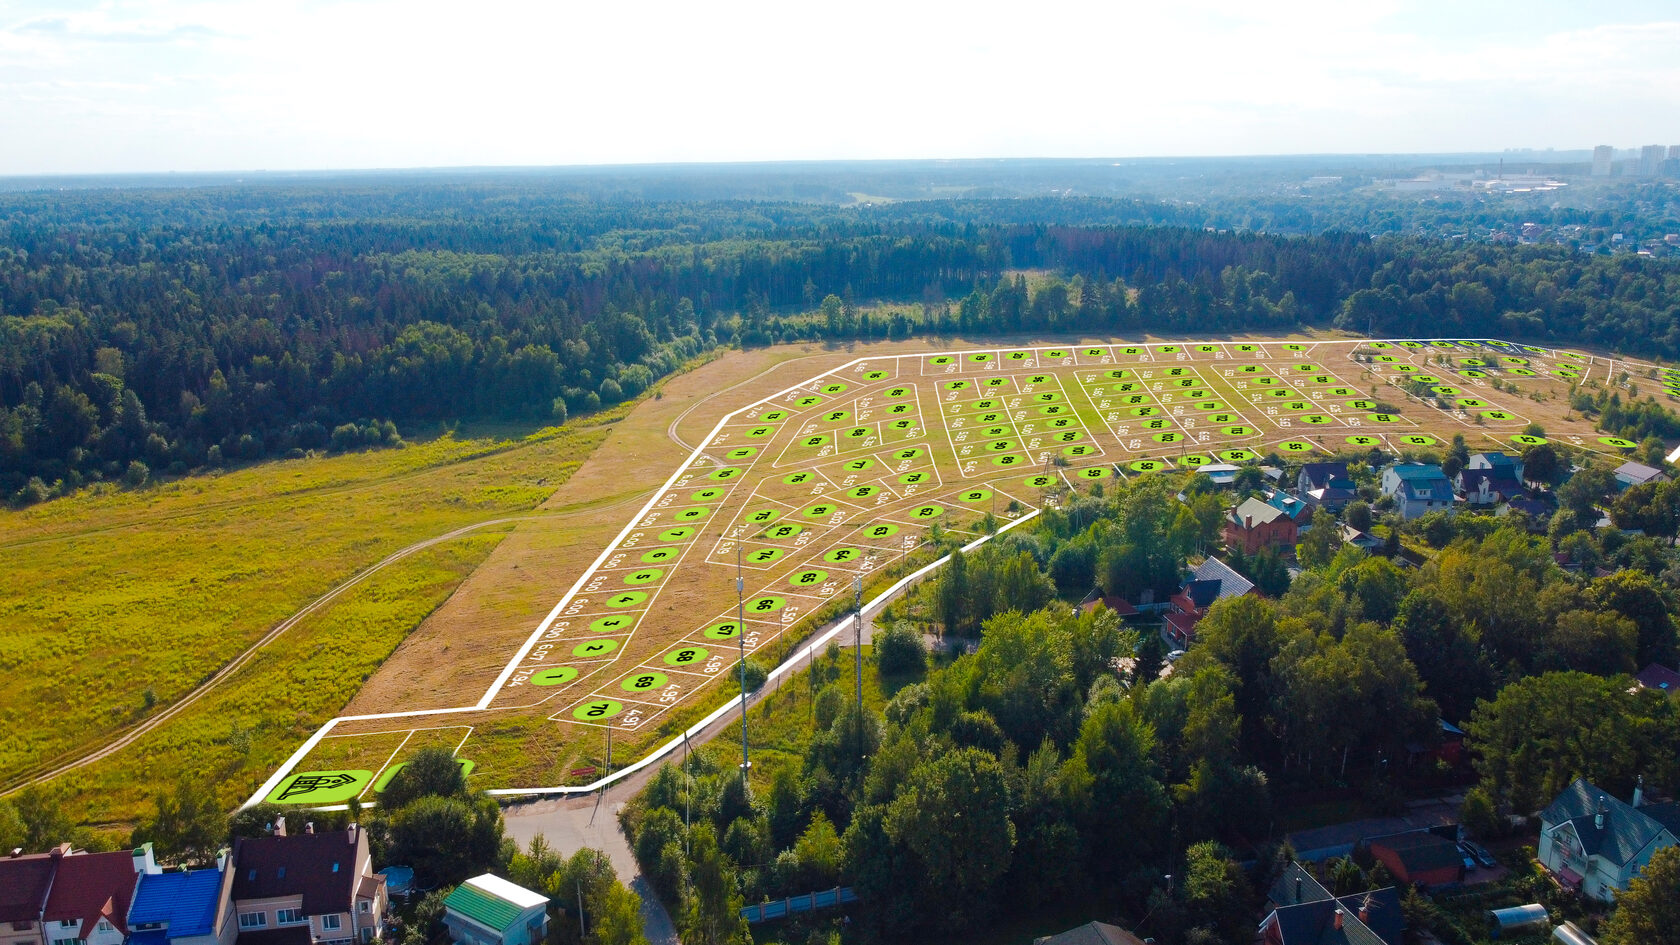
309 744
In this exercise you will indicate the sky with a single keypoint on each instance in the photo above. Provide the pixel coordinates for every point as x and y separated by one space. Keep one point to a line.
114 86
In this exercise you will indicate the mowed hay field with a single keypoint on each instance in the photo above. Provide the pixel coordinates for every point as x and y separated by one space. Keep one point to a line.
118 600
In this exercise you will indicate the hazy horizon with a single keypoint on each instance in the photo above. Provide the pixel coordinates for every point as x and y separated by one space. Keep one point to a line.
190 86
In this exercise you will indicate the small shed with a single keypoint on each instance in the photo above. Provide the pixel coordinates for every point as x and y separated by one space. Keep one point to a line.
489 910
1570 934
1517 920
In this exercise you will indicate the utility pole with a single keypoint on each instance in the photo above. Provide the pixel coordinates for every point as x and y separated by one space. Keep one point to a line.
741 636
857 652
688 797
581 931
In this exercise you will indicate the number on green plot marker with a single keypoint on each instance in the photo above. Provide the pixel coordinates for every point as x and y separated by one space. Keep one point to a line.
598 710
780 532
612 625
760 432
727 472
554 676
765 605
927 512
774 415
764 516
1418 439
1238 430
1296 446
1146 465
1083 449
881 530
644 576
1382 418
815 440
1093 472
842 555
764 555
911 479
1617 442
642 682
974 495
980 357
694 514
626 599
836 416
811 577
722 631
1363 440
1168 437
1497 415
834 388
1524 439
1194 461
863 492
656 555
595 648
1006 460
818 510
1236 456
706 495
1315 418
1038 482
742 452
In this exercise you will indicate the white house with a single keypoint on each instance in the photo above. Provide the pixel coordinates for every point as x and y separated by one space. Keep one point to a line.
1594 843
489 910
1417 488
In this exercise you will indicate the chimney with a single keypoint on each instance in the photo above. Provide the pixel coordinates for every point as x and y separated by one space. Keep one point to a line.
1338 918
144 862
1598 818
1297 890
221 859
1365 909
280 826
1639 791
351 834
309 827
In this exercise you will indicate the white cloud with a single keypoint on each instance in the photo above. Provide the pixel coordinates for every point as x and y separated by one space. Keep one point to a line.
186 84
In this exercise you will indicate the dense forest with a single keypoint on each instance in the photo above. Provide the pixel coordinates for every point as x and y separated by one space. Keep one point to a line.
145 332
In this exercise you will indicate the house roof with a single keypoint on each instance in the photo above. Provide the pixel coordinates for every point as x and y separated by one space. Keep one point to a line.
1421 851
1202 593
1658 676
90 887
1231 584
321 867
1305 913
1627 829
1091 933
1417 472
492 902
1287 504
24 881
1253 512
1497 481
186 901
1322 474
1637 472
1493 460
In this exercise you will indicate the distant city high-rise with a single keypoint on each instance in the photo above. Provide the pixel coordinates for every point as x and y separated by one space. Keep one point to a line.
1603 157
1650 160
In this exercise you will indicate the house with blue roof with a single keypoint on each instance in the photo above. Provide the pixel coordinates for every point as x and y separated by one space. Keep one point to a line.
1417 489
186 908
1594 843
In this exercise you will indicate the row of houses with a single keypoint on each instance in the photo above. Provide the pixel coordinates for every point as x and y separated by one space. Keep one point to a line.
308 889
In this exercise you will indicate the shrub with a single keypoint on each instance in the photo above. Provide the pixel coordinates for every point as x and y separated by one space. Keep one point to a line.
899 650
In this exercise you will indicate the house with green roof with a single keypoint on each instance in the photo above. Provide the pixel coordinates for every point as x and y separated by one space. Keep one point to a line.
489 910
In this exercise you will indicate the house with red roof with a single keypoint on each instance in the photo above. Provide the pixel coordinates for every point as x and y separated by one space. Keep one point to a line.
24 884
90 895
307 889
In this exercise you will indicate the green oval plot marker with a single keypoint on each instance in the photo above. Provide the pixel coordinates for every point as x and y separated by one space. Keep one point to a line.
1146 465
1411 344
1207 349
1342 392
863 492
881 530
835 416
1296 446
656 555
814 441
598 710
1018 355
694 514
901 408
1475 374
1093 473
1083 449
707 495
644 576
1210 405
994 431
1195 461
858 433
1000 446
1052 410
764 555
626 599
1057 354
1419 439
758 433
1497 415
818 510
765 605
1306 368
1617 442
1144 411
1294 347
859 465
774 415
974 495
724 474
783 532
1007 461
1236 456
1381 344
763 516
1445 391
1168 437
554 676
1166 349
996 381
1119 374
595 648
842 556
1405 368
1363 441
1524 372
875 376
722 631
811 577
742 452
942 360
642 682
1524 439
1238 430
927 512
915 478
897 392
810 401
1382 418
799 478
1094 352
956 385
1038 482
834 388
1315 418
1472 402
980 357
612 625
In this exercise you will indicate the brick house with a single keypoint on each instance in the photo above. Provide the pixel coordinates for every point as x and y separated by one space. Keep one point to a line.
1255 524
308 889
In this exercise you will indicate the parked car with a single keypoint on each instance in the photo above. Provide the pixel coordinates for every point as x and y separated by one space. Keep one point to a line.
1469 861
1481 854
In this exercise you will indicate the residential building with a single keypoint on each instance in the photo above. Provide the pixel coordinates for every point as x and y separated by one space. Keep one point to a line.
1091 933
90 895
1417 488
1631 474
1659 677
1650 160
1210 582
24 884
489 910
1502 465
1298 511
1254 525
1594 843
1364 541
1484 487
1604 158
1326 484
1303 912
307 888
1418 857
184 908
